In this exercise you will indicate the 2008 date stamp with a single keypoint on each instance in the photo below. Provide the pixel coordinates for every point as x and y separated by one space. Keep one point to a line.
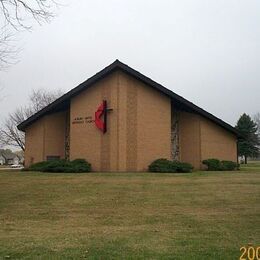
249 253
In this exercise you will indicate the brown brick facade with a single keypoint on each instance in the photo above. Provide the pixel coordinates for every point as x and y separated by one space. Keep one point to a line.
189 132
46 137
216 142
138 127
141 127
202 139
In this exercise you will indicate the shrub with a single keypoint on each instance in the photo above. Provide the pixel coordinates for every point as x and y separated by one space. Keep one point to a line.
229 166
81 165
164 165
57 166
217 165
213 164
78 161
184 167
76 166
38 166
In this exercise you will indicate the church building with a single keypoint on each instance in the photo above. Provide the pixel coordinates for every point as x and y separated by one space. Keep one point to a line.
120 120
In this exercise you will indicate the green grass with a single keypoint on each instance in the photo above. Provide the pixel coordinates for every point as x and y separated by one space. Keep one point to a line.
203 215
251 166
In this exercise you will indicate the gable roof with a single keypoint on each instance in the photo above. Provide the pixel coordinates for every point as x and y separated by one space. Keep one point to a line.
64 100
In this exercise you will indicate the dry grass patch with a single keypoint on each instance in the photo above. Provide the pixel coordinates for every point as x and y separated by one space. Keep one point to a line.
204 215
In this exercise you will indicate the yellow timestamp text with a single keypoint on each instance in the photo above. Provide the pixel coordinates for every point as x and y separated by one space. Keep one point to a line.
249 253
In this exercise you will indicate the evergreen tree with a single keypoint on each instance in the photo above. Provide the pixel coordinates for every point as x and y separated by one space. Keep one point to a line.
248 143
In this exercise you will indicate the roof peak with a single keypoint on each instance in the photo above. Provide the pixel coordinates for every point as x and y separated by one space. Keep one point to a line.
117 64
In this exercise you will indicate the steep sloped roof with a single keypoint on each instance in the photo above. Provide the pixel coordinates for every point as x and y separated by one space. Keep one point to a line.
64 100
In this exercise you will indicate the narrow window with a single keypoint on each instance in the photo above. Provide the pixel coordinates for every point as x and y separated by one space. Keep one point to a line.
52 157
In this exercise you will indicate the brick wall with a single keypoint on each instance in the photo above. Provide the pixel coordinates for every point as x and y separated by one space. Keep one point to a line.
202 139
138 127
216 142
45 137
139 130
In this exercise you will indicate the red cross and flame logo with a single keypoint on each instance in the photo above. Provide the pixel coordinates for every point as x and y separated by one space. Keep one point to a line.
101 116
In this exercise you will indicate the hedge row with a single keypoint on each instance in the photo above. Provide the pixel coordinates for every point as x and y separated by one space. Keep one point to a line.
159 165
75 166
217 165
164 165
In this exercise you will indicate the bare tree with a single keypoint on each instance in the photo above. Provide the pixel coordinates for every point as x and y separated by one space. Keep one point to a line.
17 15
8 52
17 12
9 134
40 98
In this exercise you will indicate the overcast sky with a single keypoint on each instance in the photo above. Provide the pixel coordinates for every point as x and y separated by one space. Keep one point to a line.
204 50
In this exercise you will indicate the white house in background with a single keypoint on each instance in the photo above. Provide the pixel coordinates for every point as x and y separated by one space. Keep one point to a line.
14 160
9 158
2 160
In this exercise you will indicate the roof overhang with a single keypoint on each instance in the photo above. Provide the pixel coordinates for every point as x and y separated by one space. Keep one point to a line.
64 100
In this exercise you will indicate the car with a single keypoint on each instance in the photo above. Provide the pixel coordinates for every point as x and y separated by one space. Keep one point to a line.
16 166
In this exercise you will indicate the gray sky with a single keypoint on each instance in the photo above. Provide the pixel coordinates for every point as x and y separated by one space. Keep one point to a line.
206 51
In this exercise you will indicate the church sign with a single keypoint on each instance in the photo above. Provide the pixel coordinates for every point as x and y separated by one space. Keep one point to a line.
100 117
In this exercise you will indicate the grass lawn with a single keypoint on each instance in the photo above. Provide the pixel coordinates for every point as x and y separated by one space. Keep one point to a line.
203 215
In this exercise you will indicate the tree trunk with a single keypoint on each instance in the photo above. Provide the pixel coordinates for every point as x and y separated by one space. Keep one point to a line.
245 159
